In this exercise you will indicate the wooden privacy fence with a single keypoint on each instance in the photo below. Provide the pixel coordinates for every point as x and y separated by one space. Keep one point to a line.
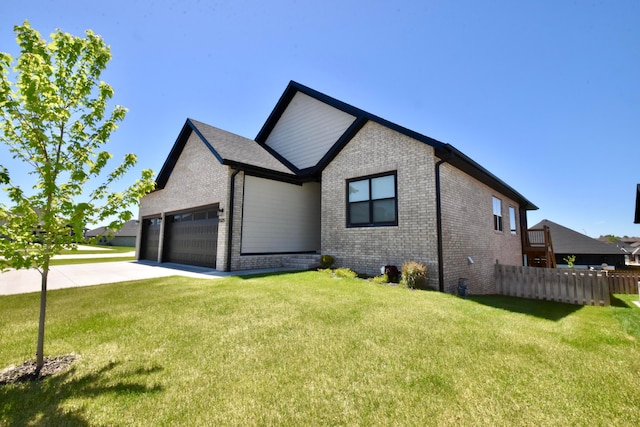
573 286
623 282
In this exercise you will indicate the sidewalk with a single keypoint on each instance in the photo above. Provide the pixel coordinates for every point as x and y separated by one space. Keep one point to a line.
68 276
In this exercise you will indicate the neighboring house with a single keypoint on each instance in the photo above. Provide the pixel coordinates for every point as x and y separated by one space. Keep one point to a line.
628 245
324 177
634 256
126 236
632 247
37 232
589 252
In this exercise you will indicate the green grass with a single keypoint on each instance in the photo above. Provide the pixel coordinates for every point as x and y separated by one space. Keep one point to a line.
68 261
99 250
309 349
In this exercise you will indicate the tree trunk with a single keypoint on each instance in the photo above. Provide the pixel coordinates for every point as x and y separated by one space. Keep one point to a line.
43 310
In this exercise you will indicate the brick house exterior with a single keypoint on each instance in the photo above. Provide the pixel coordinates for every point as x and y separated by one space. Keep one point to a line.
325 177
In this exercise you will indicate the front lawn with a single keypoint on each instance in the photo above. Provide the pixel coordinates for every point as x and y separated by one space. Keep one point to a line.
98 249
112 253
69 261
309 349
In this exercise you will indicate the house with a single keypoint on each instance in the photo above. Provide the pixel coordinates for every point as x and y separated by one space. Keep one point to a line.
125 236
37 231
589 252
634 255
631 246
324 177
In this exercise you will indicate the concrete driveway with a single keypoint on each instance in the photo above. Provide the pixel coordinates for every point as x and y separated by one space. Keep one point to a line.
68 276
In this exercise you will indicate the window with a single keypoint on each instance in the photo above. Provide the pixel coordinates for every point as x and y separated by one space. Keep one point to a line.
497 214
513 223
372 201
152 221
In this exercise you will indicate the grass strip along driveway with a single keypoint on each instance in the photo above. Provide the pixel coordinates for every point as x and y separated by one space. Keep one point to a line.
309 349
96 253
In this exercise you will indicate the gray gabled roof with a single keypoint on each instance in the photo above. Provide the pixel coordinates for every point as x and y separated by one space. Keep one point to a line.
230 149
570 242
259 159
100 231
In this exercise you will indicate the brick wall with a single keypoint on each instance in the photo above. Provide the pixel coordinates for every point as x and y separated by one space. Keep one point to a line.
377 149
468 231
467 214
198 179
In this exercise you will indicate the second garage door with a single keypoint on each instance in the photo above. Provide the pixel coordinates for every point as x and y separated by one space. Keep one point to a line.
150 238
191 237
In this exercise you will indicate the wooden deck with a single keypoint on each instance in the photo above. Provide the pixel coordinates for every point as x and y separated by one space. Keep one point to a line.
539 248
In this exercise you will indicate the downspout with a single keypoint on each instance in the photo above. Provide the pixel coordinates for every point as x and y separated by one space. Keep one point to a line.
524 234
230 218
439 220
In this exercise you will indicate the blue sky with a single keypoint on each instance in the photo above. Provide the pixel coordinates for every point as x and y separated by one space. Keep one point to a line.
544 94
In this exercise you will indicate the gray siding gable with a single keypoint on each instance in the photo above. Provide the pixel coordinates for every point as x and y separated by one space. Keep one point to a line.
361 118
444 151
307 130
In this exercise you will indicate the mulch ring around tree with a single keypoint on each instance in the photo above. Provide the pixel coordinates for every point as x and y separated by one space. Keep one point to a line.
26 371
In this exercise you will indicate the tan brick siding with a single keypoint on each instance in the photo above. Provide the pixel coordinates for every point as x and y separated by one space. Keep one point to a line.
468 231
198 179
377 149
467 214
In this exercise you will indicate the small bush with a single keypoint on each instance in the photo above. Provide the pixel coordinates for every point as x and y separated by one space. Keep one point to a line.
345 273
414 275
326 261
381 279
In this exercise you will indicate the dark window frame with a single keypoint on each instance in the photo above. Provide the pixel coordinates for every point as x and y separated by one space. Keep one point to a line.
370 201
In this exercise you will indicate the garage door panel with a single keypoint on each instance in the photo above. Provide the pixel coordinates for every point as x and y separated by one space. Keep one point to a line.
150 239
192 238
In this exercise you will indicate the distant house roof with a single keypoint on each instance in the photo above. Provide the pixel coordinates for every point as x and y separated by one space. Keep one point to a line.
570 242
100 231
129 229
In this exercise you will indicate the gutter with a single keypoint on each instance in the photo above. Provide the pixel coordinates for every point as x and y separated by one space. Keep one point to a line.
230 218
444 159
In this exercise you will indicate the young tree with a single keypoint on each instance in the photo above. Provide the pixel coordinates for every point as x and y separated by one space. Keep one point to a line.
54 120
